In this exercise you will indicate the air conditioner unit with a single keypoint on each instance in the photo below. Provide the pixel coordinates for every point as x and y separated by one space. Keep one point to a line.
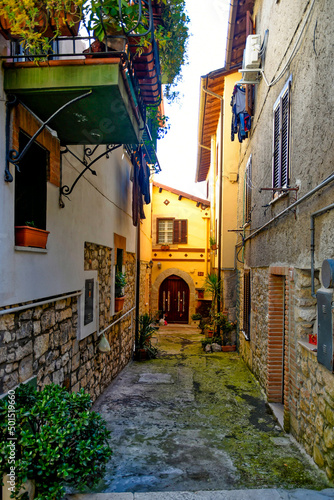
252 60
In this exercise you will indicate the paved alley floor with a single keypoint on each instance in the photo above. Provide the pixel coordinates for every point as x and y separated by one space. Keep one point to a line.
195 422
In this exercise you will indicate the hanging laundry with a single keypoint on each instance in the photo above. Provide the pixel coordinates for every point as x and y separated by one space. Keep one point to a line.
241 120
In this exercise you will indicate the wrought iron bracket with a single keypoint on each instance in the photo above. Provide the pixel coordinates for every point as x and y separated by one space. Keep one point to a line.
12 155
65 190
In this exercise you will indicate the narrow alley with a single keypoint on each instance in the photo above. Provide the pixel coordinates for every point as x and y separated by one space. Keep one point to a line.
191 421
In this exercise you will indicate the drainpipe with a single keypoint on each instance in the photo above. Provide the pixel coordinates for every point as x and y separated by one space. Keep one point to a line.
290 207
313 216
220 202
221 98
137 280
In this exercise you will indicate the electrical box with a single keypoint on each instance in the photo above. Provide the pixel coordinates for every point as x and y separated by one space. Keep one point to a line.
325 328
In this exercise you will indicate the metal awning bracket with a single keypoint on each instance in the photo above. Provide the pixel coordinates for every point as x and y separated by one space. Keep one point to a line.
12 155
86 163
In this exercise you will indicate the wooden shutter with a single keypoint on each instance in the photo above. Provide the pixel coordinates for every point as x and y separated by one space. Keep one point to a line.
281 134
184 224
180 231
248 191
249 88
247 304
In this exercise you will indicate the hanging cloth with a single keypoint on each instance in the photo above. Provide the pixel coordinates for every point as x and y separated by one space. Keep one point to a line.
241 120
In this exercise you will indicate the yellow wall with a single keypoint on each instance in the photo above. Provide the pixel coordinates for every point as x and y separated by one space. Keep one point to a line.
191 258
229 184
230 187
197 242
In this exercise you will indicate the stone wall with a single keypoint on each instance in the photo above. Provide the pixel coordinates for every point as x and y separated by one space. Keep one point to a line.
309 386
255 351
145 287
42 341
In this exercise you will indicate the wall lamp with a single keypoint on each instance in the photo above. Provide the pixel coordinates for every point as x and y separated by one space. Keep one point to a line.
159 265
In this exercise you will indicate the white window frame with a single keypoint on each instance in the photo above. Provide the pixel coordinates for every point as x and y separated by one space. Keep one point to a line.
283 170
83 330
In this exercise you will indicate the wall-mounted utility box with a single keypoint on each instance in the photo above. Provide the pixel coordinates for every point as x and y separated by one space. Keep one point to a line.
325 328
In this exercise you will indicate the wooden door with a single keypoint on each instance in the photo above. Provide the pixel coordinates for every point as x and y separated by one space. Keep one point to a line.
174 300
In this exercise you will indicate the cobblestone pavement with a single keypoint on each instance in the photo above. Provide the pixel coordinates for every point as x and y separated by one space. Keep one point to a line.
196 426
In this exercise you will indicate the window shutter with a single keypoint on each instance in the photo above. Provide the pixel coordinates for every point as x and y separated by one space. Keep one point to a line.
285 139
249 88
180 231
247 299
183 231
276 148
281 136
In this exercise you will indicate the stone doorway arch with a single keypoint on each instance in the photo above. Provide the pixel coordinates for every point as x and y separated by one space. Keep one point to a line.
165 274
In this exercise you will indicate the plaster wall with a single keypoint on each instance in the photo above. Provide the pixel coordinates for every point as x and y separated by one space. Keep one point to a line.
98 207
288 240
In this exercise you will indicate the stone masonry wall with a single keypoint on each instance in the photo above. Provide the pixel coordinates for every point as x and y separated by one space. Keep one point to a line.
255 351
42 341
312 422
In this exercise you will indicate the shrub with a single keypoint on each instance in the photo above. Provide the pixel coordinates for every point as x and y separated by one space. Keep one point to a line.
59 440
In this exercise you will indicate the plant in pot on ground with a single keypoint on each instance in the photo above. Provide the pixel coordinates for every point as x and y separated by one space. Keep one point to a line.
143 339
59 441
212 285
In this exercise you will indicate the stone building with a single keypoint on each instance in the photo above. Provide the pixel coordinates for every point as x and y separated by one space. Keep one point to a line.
285 211
181 257
84 182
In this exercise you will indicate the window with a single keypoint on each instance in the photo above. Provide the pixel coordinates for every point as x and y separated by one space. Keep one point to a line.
248 191
281 128
247 304
165 230
30 185
171 231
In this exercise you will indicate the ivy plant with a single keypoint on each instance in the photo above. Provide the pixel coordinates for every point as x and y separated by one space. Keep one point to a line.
58 440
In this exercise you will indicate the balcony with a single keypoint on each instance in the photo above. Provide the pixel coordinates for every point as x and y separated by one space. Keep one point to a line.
96 96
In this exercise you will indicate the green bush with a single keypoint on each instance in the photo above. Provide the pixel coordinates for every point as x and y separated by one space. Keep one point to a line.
196 316
60 441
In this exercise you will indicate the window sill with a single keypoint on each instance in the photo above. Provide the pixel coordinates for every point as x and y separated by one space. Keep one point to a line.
309 347
30 249
279 197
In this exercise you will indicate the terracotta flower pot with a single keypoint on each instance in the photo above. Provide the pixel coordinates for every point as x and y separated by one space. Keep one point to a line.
47 24
229 348
119 303
26 236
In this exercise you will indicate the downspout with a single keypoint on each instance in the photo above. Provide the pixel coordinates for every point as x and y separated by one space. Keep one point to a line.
137 281
220 203
221 98
313 216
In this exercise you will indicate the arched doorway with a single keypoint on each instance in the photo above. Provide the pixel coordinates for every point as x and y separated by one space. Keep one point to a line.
174 299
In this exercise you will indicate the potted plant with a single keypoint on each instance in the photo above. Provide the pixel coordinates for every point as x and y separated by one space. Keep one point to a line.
213 243
212 285
30 236
120 282
225 328
143 338
170 30
196 318
57 439
35 22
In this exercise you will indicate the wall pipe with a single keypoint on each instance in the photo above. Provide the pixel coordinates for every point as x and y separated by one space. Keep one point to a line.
40 303
313 216
221 98
324 183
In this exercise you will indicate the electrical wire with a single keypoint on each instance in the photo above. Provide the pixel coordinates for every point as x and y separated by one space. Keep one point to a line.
294 50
